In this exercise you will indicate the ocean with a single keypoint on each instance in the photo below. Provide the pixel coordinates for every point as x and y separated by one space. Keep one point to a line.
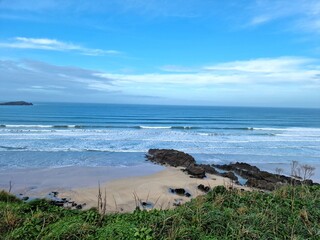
50 135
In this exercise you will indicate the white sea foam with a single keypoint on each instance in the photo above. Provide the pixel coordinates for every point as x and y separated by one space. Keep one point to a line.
155 127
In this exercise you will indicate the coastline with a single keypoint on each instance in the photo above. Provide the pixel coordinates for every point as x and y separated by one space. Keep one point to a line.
147 186
124 186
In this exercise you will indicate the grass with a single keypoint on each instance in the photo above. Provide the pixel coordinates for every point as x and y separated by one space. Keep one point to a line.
287 213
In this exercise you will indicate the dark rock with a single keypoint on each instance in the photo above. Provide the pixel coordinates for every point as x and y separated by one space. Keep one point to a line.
245 166
208 168
230 175
146 205
180 191
79 206
57 203
170 157
308 182
203 188
196 171
262 184
16 103
55 193
187 194
26 198
260 179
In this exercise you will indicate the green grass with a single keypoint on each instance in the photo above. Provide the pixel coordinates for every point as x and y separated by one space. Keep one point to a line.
288 213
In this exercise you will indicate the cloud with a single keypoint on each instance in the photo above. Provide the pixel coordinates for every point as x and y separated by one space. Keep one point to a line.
303 14
40 80
271 71
38 76
263 65
53 45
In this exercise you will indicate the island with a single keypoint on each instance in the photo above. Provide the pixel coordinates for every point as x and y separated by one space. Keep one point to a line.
16 103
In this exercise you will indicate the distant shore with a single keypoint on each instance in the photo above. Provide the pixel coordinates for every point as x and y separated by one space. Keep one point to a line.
16 103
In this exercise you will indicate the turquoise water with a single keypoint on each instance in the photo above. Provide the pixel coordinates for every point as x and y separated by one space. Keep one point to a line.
57 134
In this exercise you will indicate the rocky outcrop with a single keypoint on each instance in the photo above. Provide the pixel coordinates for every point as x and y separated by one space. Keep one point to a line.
176 158
196 171
254 176
16 103
261 179
170 157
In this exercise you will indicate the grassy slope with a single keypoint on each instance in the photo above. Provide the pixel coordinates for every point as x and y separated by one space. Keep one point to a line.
288 213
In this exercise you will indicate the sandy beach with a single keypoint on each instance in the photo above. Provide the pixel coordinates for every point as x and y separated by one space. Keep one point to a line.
124 194
125 188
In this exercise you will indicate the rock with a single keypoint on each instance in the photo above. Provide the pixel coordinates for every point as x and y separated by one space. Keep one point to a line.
262 184
245 166
196 171
170 157
260 179
79 206
57 203
203 188
187 194
208 168
180 192
230 175
26 198
308 182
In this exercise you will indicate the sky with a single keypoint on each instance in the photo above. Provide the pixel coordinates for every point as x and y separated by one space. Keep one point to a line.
177 52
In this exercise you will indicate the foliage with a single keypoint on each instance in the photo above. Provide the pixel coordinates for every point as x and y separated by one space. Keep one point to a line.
287 213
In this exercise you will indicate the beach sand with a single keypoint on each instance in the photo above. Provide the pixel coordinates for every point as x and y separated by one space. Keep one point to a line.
123 195
125 188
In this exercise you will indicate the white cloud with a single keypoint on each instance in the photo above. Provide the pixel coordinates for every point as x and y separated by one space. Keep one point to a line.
302 14
263 65
53 45
217 82
271 71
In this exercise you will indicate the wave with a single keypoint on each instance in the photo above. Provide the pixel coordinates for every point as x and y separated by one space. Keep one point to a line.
167 127
259 130
150 127
40 126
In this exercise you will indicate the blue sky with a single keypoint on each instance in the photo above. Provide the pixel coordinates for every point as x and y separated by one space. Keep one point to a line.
197 52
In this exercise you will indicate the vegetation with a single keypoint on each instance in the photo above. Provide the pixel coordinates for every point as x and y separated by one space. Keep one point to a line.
287 213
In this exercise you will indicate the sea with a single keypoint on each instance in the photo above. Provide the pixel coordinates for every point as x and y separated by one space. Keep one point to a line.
52 135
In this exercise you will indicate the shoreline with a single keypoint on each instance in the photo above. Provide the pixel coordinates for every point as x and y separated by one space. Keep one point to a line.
34 180
148 185
125 187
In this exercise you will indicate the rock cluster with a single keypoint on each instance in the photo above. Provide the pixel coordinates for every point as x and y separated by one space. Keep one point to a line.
261 179
254 176
53 199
